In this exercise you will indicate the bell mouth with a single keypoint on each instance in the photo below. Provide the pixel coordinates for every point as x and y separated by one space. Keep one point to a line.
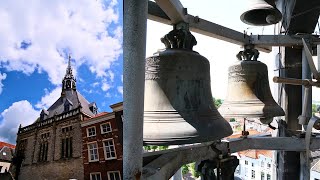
261 17
175 128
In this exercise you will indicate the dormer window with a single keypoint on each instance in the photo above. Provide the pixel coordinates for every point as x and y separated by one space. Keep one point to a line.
93 108
67 105
43 115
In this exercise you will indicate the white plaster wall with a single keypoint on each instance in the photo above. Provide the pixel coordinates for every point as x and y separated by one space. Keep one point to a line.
5 165
314 175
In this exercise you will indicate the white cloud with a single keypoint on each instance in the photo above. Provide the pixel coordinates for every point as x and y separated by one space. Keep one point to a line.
3 76
95 84
49 98
108 95
105 86
111 75
120 89
47 29
20 112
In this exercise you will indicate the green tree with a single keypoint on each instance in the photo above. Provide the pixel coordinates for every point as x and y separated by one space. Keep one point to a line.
217 102
155 148
314 108
191 167
232 120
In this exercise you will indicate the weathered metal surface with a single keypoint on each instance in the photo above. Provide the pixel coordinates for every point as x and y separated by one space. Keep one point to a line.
261 13
304 16
291 101
318 56
179 108
283 40
248 93
297 82
174 10
309 66
200 26
134 48
167 162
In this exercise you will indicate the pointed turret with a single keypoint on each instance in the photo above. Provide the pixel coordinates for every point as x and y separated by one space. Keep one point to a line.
68 82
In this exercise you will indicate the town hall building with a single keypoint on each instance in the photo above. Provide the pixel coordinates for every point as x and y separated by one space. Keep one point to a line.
51 147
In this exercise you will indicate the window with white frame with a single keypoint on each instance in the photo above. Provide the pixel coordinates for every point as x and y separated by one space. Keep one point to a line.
109 149
246 162
262 163
91 131
93 152
95 176
114 175
105 128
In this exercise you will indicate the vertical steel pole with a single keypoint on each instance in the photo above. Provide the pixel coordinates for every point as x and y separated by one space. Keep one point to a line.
288 162
306 74
307 112
318 54
134 49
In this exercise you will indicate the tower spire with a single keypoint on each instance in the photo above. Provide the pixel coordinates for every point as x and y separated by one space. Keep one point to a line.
69 61
68 82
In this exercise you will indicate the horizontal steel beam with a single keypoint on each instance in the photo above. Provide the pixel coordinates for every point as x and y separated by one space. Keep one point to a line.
166 163
204 27
283 40
200 26
174 9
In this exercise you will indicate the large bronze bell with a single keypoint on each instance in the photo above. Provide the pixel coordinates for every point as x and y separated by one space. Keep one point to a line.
248 93
261 13
178 105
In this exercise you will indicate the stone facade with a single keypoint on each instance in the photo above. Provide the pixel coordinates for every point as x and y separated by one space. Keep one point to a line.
51 147
104 166
55 167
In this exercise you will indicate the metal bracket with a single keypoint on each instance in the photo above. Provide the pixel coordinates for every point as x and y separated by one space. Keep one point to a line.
311 123
313 69
165 163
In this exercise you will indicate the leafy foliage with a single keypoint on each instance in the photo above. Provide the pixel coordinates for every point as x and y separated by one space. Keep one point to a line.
217 102
190 168
314 108
155 148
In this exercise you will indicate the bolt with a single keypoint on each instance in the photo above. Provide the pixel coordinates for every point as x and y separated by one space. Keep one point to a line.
196 19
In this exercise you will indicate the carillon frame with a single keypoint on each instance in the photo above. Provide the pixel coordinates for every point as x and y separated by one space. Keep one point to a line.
164 164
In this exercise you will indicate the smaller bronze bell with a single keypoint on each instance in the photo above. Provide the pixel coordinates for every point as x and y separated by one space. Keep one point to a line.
261 13
248 93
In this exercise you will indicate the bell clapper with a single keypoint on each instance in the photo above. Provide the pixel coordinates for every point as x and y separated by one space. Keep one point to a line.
244 132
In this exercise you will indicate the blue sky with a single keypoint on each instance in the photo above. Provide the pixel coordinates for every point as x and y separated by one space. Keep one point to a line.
35 43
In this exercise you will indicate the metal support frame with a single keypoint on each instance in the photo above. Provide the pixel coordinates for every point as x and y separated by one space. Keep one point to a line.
135 23
166 163
204 27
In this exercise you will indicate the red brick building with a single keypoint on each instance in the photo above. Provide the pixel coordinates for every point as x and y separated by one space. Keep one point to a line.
102 145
